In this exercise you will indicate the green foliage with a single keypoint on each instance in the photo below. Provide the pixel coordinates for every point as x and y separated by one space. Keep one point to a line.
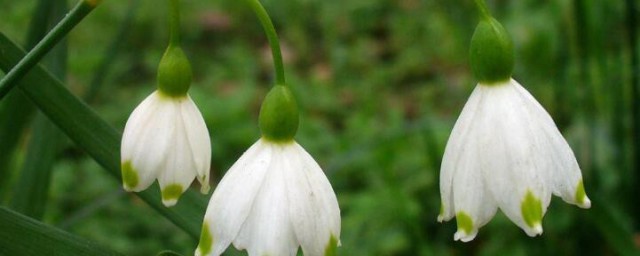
23 236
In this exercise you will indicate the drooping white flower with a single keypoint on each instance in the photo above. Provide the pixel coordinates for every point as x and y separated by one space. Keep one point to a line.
165 138
506 152
274 199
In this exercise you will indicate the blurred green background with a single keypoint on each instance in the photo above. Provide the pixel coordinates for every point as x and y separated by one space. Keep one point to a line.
380 84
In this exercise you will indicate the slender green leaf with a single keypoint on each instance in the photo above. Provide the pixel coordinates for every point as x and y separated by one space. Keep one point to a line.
30 195
82 9
16 110
20 235
94 135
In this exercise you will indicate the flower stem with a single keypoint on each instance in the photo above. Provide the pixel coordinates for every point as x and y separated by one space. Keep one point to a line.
272 36
174 22
482 8
74 17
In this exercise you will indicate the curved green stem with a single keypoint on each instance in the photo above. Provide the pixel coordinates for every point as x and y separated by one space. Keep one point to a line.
272 36
174 22
482 8
74 17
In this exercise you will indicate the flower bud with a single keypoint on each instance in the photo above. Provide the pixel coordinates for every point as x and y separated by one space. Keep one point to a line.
279 115
491 52
174 72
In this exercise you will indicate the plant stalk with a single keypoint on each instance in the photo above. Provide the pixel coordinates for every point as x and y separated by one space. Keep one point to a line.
81 10
272 36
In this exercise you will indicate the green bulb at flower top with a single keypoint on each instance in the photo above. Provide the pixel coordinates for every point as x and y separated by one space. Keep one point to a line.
491 52
174 72
279 115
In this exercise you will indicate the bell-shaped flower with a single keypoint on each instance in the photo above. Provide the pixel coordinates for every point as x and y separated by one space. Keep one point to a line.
505 151
166 137
275 198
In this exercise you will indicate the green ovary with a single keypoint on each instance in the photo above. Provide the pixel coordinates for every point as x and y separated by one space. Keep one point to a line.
531 209
171 192
464 221
129 175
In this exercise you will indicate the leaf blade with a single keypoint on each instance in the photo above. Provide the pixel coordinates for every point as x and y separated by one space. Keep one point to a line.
19 234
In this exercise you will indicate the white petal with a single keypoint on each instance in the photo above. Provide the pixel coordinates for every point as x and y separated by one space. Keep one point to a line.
565 174
453 151
474 204
234 196
199 141
179 168
512 160
268 230
313 206
147 138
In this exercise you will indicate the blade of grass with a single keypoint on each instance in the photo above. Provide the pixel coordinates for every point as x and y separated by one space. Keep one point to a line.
81 10
30 195
95 136
20 235
16 110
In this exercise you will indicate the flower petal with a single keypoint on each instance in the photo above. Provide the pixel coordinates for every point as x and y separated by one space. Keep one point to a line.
453 151
147 138
233 198
565 174
313 206
179 168
474 204
199 141
267 229
513 160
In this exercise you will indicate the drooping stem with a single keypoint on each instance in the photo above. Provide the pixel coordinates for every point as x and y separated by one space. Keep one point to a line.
174 22
74 17
272 36
482 8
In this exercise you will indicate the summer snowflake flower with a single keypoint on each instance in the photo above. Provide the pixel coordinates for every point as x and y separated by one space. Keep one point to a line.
165 138
274 199
506 152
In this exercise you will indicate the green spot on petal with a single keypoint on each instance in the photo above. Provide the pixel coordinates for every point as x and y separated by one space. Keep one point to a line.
464 221
129 175
441 209
171 192
580 194
206 240
332 247
531 209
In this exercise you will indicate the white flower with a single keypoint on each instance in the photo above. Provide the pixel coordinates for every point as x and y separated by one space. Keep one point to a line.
506 152
274 199
165 138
